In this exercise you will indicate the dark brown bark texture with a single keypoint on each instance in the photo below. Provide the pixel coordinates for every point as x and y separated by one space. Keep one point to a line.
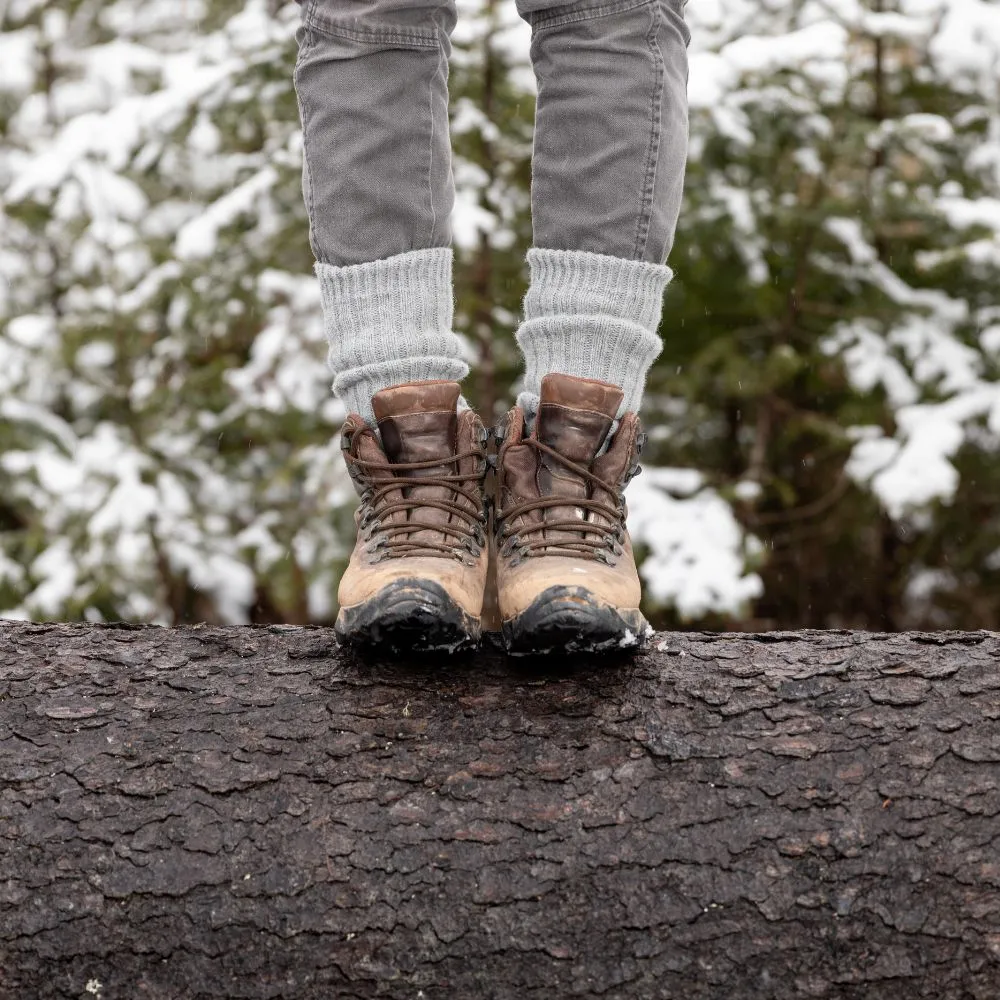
251 813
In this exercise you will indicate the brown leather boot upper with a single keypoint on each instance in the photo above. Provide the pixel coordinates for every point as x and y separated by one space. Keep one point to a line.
561 517
422 514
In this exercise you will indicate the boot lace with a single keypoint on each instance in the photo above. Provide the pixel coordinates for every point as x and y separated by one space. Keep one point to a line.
599 540
465 531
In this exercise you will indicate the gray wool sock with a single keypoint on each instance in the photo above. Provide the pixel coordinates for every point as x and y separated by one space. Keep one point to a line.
389 322
592 316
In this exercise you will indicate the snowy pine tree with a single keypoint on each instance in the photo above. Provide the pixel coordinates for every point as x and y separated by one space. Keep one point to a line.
169 441
831 346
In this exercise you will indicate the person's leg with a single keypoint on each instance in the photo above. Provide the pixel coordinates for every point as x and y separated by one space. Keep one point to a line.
611 143
372 83
609 161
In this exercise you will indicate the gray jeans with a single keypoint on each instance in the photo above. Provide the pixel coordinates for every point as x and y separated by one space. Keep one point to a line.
611 130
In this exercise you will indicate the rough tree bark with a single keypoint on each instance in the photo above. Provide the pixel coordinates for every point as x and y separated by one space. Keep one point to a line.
250 813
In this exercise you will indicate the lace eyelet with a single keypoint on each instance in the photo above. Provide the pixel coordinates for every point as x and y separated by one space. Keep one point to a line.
512 544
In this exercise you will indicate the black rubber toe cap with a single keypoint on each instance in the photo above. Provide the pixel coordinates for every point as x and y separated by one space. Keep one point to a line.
571 619
409 616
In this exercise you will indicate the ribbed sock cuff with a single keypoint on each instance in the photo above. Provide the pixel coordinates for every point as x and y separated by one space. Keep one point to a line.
389 322
592 316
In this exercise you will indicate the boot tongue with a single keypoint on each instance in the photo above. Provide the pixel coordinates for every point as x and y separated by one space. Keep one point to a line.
418 422
574 418
575 415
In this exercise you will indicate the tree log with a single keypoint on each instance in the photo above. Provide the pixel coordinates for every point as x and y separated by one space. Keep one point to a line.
254 813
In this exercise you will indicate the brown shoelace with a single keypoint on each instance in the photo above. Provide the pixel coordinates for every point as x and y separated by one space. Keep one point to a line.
468 531
609 538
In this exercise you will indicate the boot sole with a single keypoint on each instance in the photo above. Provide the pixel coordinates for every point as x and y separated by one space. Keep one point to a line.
572 620
409 616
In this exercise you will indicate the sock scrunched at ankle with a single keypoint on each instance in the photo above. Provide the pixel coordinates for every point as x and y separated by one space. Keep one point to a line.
389 322
592 316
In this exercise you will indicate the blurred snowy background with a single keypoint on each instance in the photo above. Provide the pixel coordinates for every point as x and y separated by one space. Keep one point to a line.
825 416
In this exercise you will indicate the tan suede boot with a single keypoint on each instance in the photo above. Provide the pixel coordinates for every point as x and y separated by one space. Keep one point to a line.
565 571
417 575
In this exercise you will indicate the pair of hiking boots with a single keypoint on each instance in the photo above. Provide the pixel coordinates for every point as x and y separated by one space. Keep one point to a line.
566 578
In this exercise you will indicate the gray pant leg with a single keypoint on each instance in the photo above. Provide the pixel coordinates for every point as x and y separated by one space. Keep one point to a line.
372 83
611 129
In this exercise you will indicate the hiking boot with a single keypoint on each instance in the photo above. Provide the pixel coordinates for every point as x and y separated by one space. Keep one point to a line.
417 575
566 575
